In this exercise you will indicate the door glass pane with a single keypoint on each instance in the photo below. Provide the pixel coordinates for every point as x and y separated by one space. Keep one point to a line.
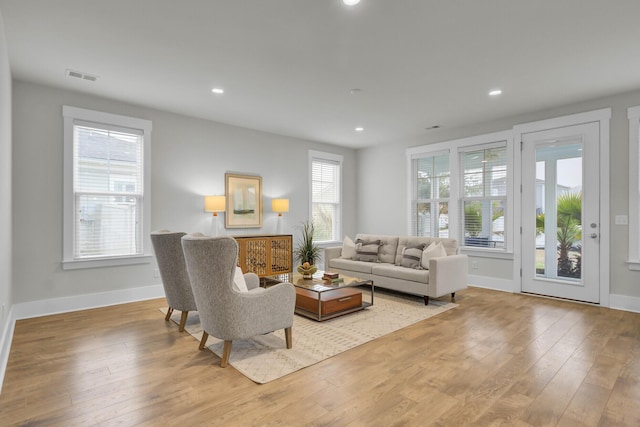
540 240
559 211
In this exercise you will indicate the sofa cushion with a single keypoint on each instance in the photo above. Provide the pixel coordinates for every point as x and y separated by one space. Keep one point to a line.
388 246
412 256
450 245
351 265
434 250
401 273
348 248
367 250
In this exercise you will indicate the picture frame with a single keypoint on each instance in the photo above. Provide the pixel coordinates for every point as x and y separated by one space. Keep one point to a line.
244 201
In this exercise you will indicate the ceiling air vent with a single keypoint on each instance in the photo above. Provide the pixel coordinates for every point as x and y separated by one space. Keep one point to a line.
80 75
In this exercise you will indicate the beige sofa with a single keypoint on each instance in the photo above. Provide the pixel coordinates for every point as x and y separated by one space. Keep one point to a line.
444 275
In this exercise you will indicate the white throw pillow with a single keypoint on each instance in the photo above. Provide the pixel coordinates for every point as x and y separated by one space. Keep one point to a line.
348 248
239 284
434 250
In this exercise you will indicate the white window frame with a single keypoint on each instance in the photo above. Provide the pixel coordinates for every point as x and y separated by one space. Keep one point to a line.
70 115
454 147
329 158
433 201
633 115
462 198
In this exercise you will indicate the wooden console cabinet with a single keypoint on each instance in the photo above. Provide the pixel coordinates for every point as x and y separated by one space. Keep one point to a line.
265 255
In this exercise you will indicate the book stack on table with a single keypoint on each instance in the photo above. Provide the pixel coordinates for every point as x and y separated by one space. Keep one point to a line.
332 278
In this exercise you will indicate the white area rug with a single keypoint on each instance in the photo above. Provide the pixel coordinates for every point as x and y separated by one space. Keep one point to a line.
265 358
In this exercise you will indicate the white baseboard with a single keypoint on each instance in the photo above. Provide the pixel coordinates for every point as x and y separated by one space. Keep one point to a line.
624 302
39 308
496 284
5 345
617 302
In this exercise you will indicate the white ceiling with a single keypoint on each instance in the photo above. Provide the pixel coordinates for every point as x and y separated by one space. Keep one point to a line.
288 66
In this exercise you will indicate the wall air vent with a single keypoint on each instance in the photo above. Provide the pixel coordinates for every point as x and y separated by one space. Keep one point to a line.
81 75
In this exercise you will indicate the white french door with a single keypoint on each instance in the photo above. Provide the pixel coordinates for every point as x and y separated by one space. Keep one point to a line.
560 212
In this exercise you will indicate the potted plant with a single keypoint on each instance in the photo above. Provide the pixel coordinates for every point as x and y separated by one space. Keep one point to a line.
306 251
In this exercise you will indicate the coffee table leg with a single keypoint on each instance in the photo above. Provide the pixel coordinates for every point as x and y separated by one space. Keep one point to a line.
372 286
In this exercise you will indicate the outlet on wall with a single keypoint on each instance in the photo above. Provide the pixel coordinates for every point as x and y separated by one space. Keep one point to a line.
622 219
474 265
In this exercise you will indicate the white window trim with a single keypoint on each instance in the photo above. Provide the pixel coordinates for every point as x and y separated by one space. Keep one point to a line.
73 113
633 114
337 158
454 147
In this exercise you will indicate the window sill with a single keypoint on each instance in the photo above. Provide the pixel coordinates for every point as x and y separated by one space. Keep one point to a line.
634 265
487 253
328 244
106 262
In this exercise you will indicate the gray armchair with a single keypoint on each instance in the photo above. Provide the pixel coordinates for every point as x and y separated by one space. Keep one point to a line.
173 271
224 312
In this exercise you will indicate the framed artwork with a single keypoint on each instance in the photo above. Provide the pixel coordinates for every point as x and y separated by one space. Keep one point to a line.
244 201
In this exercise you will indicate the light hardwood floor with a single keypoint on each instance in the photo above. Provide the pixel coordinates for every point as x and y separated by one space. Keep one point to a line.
497 359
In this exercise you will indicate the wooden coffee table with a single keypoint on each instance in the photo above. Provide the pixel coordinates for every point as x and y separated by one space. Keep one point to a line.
320 299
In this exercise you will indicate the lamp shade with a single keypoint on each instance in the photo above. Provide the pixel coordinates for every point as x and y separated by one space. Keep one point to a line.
280 206
214 204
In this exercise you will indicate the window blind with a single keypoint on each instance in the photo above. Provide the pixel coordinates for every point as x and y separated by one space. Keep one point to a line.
325 199
430 207
484 196
108 188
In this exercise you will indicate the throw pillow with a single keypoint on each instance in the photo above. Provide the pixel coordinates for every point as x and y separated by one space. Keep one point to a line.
239 284
434 250
412 256
348 248
367 251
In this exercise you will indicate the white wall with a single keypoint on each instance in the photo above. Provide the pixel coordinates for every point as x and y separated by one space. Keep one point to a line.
5 181
383 182
189 159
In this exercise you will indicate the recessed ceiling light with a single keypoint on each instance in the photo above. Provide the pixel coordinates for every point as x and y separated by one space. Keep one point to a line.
351 2
359 129
217 90
495 92
355 91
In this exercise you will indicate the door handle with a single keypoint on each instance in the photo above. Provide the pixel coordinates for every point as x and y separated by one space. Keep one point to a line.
593 235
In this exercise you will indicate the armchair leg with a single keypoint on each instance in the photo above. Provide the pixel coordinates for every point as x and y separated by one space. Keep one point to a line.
288 334
426 300
226 351
453 296
203 341
169 313
183 320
